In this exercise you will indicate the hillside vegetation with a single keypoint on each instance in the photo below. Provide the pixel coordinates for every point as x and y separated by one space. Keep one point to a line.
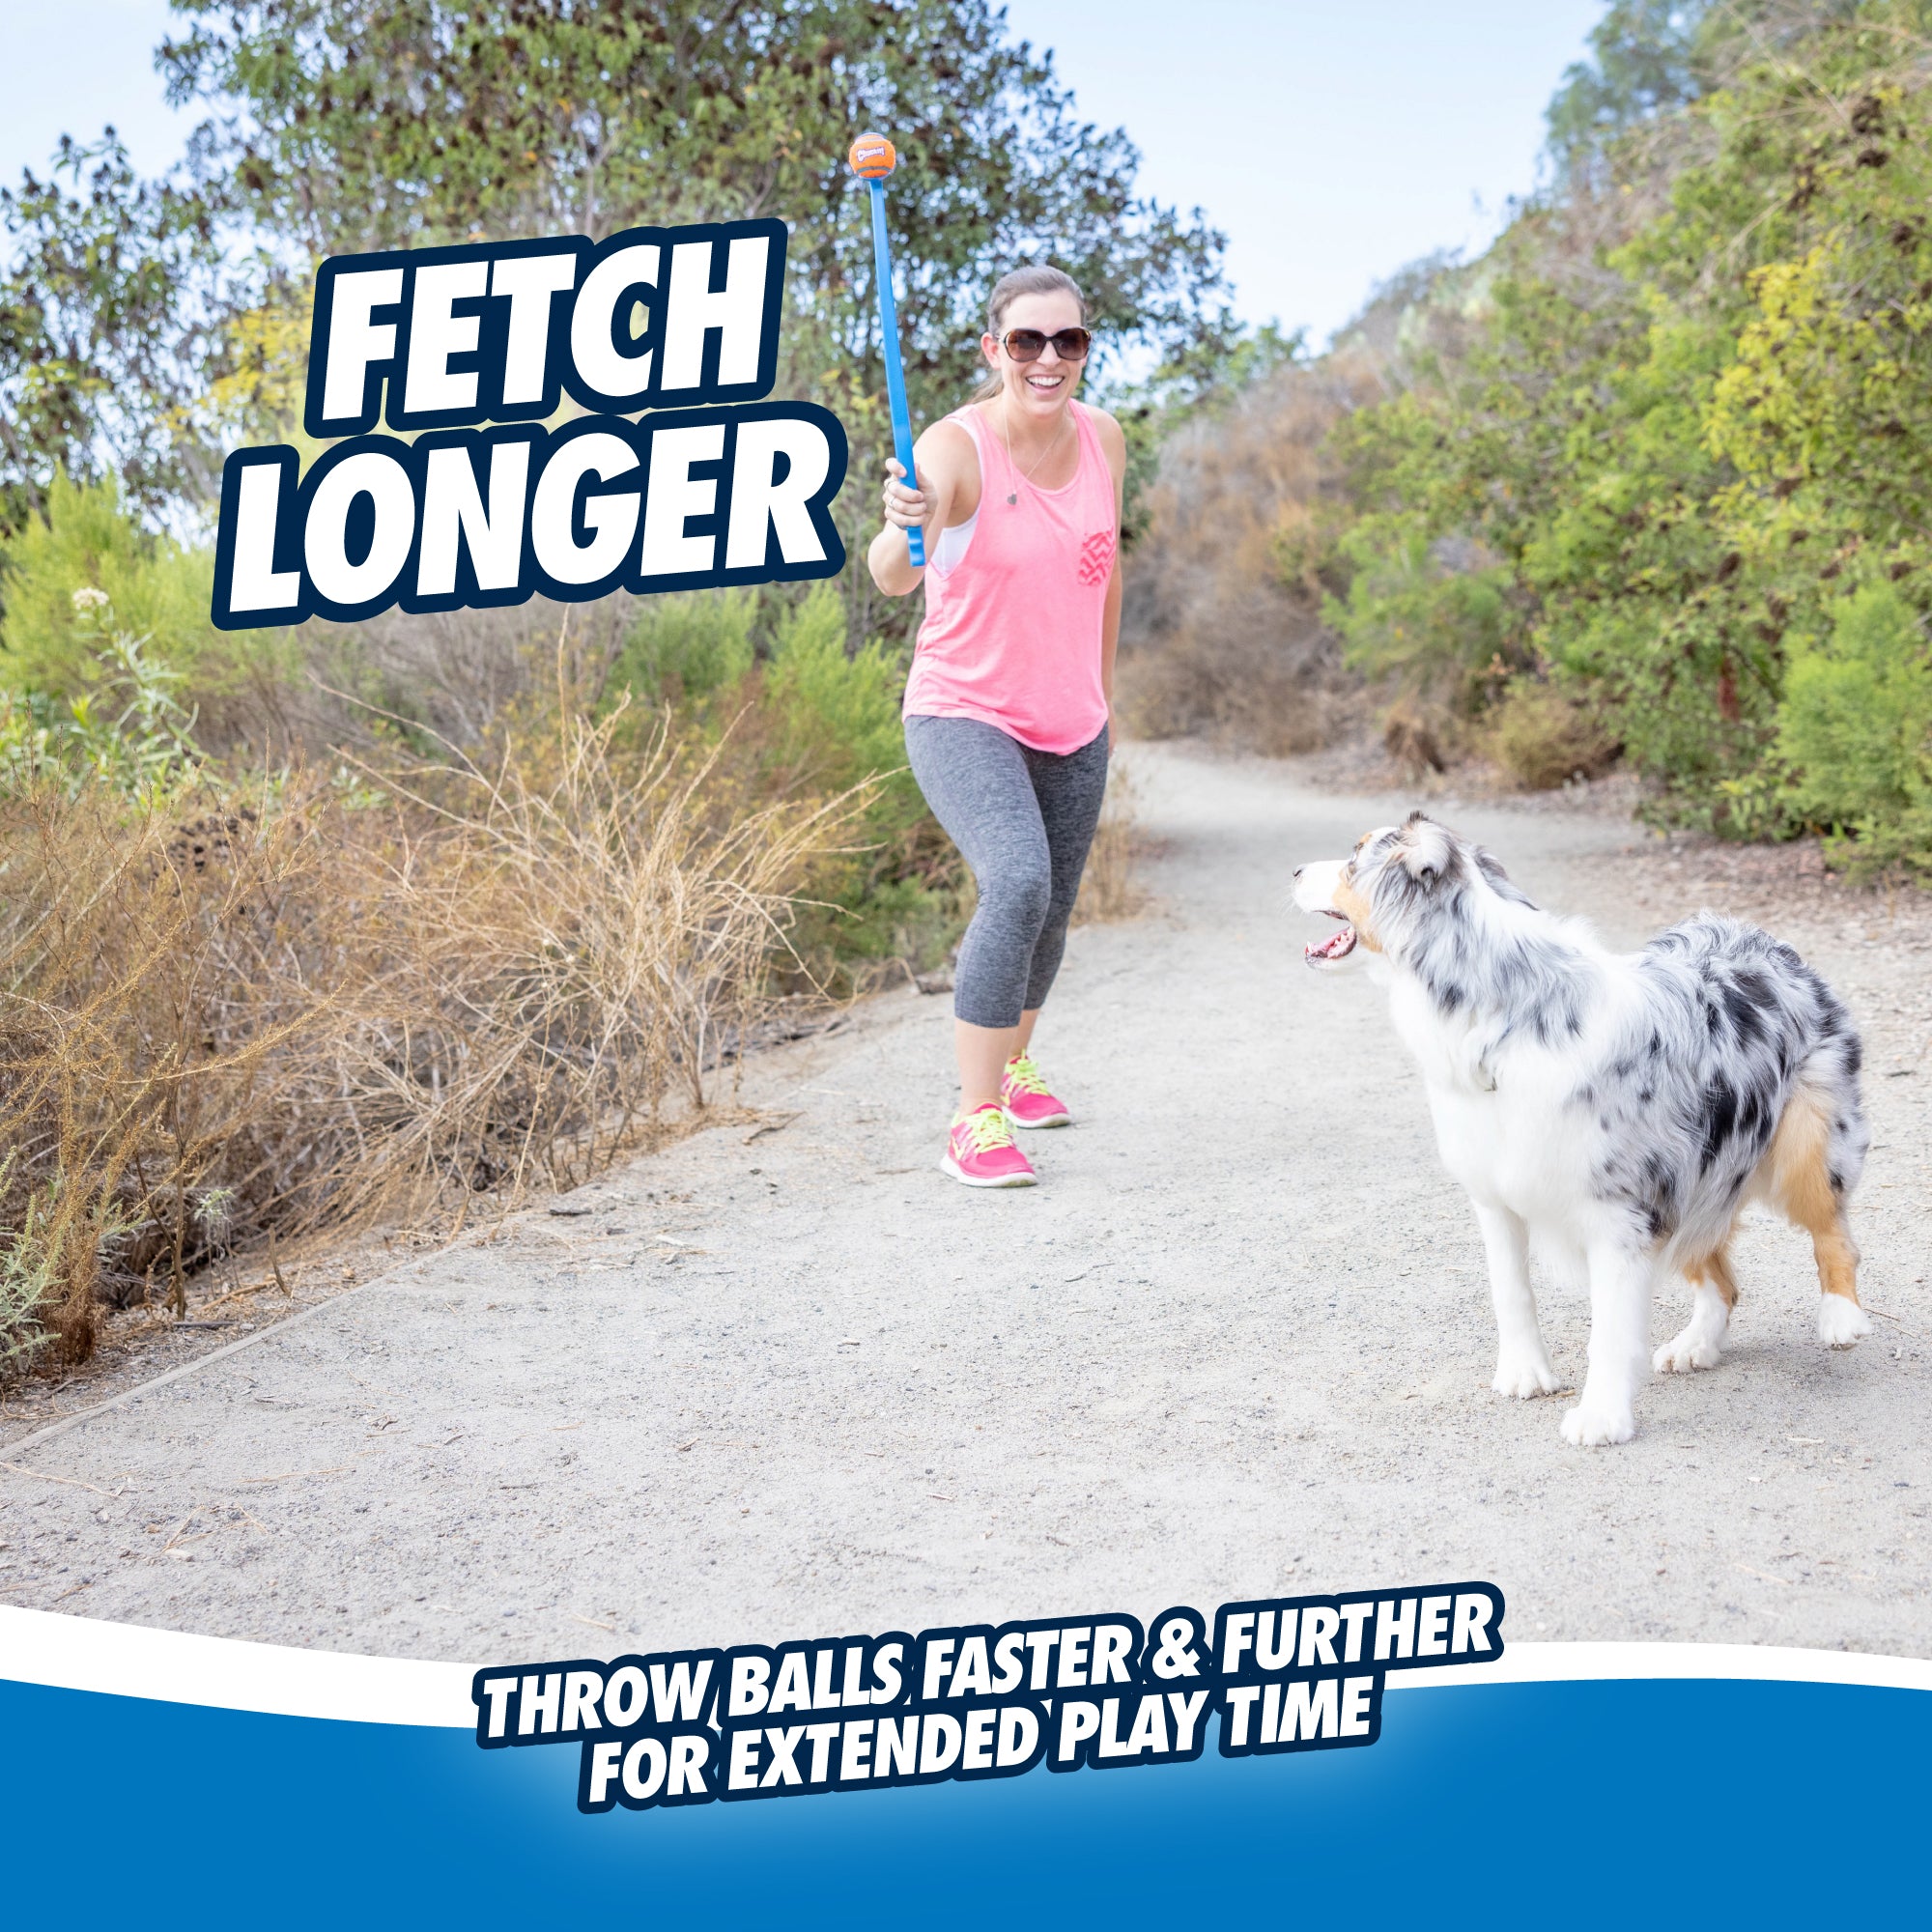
1651 479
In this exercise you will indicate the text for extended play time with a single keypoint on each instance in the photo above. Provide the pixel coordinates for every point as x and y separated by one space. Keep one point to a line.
974 1701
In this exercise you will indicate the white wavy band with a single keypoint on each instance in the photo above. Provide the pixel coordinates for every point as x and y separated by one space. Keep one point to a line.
174 1666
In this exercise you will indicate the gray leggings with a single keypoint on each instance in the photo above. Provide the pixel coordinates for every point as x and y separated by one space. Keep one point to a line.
1024 820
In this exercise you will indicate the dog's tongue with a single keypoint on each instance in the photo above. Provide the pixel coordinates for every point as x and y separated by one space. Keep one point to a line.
1337 945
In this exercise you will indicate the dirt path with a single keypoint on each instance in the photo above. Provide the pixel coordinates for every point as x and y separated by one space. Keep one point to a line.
1239 1343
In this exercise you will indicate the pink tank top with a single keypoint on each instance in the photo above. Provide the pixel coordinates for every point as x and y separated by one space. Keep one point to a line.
1011 635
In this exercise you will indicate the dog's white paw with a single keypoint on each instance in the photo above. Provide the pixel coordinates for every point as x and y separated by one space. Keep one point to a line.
1592 1428
1691 1349
1840 1322
1524 1375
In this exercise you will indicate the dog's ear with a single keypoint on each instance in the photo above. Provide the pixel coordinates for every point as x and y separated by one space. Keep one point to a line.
1500 882
1427 851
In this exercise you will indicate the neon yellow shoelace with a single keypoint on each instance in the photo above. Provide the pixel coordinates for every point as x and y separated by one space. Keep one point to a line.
988 1130
1022 1073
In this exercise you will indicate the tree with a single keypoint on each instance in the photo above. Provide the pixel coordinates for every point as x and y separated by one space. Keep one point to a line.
1644 60
109 315
363 124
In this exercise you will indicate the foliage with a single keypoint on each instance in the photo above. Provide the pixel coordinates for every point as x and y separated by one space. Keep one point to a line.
1200 381
358 124
1856 729
833 720
1682 422
85 539
770 681
31 1259
824 718
1231 508
1411 615
688 645
111 308
836 714
1544 737
140 749
1645 61
257 377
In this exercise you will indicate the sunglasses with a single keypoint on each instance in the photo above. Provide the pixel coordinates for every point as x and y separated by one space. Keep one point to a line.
1026 345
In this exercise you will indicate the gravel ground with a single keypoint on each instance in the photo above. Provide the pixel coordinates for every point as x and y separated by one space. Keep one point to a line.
782 1379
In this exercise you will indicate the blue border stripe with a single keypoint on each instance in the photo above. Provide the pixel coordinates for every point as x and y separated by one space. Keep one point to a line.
1582 1803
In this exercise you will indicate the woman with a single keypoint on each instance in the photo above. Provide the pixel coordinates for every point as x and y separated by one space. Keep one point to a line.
1008 706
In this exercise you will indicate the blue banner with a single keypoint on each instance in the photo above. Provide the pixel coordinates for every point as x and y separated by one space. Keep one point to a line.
1672 1799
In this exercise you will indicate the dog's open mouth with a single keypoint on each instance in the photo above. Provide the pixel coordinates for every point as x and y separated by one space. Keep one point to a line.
1337 945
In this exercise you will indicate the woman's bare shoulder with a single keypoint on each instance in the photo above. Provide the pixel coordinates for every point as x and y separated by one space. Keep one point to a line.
1111 435
947 459
1112 438
950 441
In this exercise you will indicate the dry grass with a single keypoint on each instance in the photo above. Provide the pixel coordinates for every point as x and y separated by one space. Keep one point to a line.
338 998
1110 888
1542 737
1222 637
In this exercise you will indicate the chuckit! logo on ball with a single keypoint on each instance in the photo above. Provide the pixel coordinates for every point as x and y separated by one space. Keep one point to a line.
873 156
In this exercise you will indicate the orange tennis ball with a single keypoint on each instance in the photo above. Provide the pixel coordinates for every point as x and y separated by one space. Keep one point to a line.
873 157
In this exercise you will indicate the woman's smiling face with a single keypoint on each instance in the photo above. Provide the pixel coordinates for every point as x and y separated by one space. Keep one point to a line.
1039 388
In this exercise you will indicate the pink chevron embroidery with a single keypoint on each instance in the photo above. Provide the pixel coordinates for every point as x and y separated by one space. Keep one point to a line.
1097 557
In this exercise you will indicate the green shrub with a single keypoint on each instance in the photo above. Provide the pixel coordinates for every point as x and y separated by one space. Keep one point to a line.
128 731
1413 617
833 716
835 712
818 719
1856 729
1543 737
687 646
159 592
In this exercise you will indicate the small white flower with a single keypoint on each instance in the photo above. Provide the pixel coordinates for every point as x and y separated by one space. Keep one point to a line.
90 599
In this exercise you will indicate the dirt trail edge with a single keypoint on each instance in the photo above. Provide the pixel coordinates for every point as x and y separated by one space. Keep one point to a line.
1239 1343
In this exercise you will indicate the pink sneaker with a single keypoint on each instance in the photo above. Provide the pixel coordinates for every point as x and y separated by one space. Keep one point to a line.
980 1151
1023 1094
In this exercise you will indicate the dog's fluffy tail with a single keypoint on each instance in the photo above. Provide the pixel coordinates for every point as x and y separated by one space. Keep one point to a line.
1811 1167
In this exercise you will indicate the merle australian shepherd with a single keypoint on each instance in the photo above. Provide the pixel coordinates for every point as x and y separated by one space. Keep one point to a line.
1616 1110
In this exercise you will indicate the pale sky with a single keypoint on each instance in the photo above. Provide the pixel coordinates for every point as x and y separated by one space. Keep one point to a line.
1331 143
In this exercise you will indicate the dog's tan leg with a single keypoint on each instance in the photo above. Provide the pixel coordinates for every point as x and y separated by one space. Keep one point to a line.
1714 1295
1801 1182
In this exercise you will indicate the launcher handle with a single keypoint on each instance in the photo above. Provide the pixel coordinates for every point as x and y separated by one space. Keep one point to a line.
889 332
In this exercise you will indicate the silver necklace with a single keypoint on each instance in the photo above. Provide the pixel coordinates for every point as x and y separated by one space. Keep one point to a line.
1007 435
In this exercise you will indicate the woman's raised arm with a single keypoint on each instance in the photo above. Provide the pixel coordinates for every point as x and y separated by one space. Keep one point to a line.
940 458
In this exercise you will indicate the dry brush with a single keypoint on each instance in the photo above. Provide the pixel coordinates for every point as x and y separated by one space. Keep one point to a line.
1223 635
341 997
